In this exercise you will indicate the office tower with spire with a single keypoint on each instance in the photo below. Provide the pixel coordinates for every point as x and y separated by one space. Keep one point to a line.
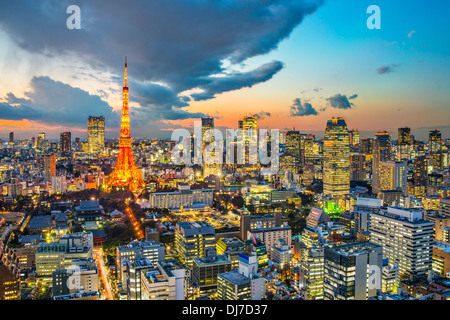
125 174
336 159
96 134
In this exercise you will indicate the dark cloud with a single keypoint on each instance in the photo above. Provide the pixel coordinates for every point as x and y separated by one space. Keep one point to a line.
387 69
301 109
340 101
215 85
262 115
158 102
181 43
12 99
54 102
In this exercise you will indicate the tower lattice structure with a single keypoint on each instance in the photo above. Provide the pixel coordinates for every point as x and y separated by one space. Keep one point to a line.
125 174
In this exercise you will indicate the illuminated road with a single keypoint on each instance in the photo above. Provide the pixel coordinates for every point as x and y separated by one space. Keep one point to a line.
103 273
135 222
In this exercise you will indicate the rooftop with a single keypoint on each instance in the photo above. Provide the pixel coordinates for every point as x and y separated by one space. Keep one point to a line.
234 277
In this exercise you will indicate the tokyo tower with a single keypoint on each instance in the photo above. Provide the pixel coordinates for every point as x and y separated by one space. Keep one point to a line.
125 174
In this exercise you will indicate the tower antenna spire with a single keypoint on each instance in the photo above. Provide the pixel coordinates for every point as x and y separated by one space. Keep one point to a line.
126 66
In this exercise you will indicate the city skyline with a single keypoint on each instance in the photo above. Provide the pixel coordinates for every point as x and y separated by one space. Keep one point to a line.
319 61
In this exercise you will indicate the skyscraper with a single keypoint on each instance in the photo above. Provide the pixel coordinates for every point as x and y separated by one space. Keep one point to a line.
357 164
125 174
434 141
207 124
353 137
393 176
404 143
420 171
336 159
380 153
11 137
211 159
293 145
367 148
65 142
77 144
49 167
96 134
250 131
41 142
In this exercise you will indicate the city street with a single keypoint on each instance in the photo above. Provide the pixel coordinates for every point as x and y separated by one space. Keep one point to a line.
103 273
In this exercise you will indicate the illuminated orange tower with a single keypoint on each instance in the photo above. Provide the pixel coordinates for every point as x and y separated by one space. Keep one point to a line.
125 175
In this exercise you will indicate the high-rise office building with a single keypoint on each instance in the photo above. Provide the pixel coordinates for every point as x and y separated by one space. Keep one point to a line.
381 152
406 239
357 167
41 141
336 159
420 171
11 137
207 124
193 240
354 137
78 144
49 167
434 141
96 134
211 160
250 137
404 143
307 154
352 271
367 148
65 142
293 145
393 176
437 160
312 272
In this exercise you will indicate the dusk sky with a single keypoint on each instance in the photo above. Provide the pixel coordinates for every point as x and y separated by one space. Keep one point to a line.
290 63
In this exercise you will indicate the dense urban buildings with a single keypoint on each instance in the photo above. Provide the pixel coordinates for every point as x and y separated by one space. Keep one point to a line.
343 217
